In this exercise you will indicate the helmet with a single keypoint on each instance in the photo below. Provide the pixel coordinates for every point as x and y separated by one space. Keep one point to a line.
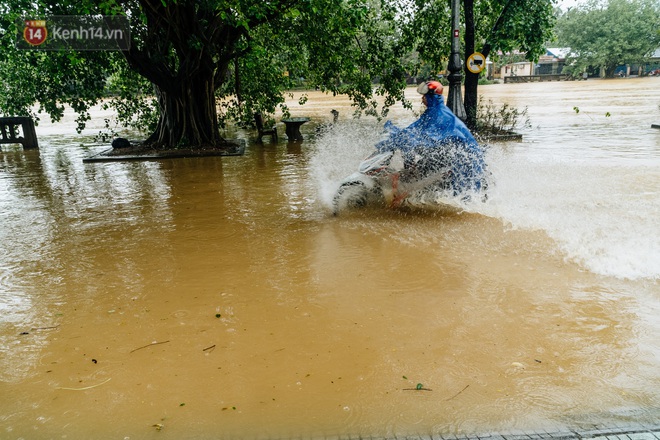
432 87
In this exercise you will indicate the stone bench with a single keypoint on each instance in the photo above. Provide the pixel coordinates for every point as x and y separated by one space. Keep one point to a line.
9 133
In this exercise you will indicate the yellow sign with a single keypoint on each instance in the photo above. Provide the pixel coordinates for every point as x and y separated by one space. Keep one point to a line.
476 62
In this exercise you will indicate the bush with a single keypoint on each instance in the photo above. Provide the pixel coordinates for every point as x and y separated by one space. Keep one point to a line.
493 120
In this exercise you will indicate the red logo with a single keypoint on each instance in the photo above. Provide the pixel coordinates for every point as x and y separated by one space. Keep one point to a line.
35 32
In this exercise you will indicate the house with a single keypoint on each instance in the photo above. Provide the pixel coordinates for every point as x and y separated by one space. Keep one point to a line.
650 67
548 68
523 68
552 63
653 66
554 60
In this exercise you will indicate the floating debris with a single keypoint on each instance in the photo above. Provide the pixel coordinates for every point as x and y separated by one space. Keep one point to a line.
84 388
149 345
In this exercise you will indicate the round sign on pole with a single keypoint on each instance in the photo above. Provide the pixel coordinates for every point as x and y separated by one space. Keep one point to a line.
476 62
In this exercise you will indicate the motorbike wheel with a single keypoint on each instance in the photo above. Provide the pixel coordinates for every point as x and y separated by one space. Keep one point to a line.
350 195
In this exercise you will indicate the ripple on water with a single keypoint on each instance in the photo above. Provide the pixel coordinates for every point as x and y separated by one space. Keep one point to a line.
181 314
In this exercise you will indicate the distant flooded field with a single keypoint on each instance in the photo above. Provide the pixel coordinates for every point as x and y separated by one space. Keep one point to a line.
214 298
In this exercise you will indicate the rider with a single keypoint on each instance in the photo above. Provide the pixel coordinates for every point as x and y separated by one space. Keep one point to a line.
438 142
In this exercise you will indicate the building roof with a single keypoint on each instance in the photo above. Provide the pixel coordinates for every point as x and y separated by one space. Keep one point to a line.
558 52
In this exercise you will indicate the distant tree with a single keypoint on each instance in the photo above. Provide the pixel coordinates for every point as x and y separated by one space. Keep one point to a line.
606 34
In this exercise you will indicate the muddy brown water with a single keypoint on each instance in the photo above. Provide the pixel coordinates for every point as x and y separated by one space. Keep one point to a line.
218 298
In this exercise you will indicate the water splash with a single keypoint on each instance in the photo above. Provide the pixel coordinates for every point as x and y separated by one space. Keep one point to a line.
339 153
602 214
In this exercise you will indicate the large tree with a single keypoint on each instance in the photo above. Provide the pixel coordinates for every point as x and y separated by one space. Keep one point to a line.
606 34
194 55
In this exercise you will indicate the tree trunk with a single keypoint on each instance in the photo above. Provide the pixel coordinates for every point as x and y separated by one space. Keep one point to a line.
472 79
184 55
186 99
188 114
470 98
609 71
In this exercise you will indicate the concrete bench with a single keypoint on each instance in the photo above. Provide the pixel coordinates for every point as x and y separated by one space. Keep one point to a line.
264 131
9 133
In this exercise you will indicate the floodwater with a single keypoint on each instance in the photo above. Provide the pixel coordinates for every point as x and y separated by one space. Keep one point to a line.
218 298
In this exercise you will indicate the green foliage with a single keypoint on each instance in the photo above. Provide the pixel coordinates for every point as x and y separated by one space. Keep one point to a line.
491 27
500 26
492 119
132 98
336 47
577 112
526 26
348 47
33 82
247 53
605 34
256 81
254 51
426 29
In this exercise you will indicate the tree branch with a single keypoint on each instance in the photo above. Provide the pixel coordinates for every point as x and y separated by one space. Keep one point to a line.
496 27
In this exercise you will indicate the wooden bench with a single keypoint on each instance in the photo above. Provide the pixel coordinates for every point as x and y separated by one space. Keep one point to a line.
272 132
9 131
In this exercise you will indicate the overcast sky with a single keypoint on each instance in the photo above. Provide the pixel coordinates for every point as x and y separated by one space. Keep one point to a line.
565 4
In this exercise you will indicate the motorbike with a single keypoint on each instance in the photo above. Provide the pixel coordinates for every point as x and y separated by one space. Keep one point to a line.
377 182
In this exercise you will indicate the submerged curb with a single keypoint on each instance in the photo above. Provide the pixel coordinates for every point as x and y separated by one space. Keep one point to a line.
631 432
112 155
597 434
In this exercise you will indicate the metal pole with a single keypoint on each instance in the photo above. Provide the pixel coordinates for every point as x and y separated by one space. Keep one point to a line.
455 98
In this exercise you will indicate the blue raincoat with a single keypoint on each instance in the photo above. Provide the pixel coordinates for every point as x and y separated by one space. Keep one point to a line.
439 140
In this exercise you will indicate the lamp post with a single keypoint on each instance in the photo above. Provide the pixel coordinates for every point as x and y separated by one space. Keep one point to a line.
455 99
